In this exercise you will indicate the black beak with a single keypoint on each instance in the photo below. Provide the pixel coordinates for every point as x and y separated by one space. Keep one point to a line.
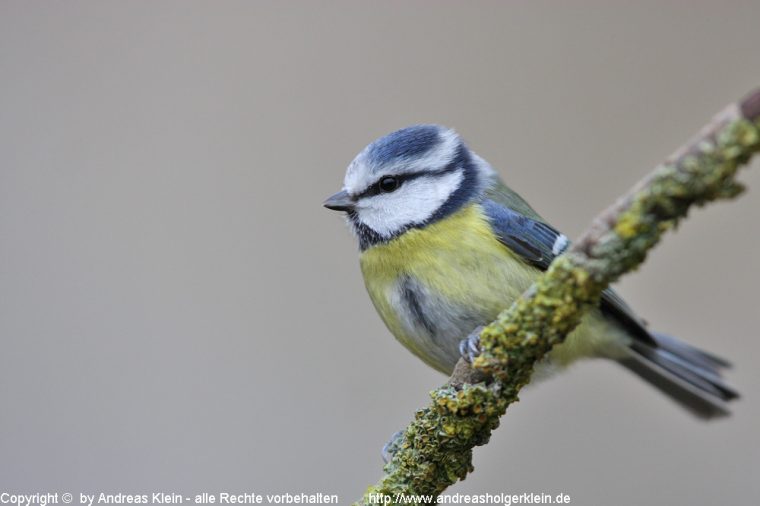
341 201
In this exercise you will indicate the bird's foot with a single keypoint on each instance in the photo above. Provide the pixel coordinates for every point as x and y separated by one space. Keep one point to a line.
391 447
469 347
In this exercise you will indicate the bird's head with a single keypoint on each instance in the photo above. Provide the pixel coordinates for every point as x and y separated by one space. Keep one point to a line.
408 179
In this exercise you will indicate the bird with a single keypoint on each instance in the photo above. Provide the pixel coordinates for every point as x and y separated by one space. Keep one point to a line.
445 245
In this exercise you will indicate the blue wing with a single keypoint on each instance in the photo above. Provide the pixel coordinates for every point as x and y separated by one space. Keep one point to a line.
538 244
534 241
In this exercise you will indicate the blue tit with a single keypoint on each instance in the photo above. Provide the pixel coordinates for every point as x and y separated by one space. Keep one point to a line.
446 245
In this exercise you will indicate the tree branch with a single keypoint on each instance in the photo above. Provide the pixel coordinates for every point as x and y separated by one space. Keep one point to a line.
436 449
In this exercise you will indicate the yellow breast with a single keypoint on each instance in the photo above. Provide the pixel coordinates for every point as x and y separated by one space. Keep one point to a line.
458 259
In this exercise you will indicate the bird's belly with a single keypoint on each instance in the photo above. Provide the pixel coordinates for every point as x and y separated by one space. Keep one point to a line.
432 326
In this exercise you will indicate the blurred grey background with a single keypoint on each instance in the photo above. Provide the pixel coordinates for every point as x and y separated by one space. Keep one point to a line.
178 313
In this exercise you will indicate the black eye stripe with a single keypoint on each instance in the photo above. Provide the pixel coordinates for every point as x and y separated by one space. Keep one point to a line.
374 188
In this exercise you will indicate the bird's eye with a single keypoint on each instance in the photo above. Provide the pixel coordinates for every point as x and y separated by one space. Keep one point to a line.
388 184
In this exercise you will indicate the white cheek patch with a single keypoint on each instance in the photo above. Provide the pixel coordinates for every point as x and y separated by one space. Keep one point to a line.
413 203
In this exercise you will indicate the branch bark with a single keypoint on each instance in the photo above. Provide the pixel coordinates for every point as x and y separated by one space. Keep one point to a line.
436 449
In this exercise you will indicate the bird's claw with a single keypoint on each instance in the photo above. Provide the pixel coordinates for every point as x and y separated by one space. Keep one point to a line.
469 347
